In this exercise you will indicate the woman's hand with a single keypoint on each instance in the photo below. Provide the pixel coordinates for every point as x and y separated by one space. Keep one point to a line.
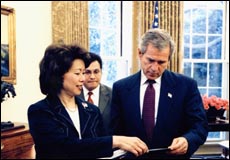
130 144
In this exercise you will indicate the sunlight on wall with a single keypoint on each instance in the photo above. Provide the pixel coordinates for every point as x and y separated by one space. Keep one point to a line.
33 35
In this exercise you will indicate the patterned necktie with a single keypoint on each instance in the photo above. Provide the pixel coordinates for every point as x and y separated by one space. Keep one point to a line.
89 98
149 109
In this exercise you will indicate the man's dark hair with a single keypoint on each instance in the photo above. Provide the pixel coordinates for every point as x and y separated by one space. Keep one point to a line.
95 57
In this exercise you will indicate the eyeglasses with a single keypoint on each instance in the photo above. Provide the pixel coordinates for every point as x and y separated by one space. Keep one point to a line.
95 72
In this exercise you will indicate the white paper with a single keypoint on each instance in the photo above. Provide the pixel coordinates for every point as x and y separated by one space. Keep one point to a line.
159 149
224 144
116 154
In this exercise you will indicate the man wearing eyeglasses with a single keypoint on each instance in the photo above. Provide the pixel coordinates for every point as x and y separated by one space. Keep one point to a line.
95 92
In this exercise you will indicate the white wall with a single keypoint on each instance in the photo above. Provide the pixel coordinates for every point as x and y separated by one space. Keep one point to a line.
33 35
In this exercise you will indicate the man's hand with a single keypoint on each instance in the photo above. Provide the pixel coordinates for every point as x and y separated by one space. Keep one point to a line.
179 146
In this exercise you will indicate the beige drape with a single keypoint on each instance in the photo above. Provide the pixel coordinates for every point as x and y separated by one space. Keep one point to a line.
170 15
70 25
70 22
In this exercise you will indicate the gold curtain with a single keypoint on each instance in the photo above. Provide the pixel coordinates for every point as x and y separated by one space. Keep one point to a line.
170 16
70 22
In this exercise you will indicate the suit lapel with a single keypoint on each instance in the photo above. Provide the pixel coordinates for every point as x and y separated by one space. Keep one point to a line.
167 91
133 101
85 114
103 98
58 108
84 119
63 113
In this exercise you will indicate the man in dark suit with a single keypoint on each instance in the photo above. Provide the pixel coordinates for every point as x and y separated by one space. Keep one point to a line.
179 120
101 94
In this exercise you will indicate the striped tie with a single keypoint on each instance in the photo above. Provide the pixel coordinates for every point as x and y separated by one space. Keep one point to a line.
89 98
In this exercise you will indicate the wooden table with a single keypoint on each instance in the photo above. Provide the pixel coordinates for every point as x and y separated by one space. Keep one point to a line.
218 126
17 143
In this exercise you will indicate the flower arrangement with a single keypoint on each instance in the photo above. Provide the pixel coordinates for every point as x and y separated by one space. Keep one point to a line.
214 101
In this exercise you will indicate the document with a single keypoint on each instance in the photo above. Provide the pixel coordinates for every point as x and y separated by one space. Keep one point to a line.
159 150
117 154
225 144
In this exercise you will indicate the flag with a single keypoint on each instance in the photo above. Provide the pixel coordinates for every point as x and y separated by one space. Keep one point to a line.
155 19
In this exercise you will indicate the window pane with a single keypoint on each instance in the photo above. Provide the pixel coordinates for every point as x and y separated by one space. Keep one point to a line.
110 16
187 22
200 73
199 23
205 63
203 91
215 80
94 39
186 46
187 69
94 14
215 18
216 92
198 47
110 42
213 135
105 38
114 70
214 47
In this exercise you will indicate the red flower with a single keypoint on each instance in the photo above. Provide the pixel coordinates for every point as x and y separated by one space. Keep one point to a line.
214 101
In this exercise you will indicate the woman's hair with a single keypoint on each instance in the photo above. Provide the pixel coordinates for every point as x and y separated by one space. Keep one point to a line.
57 60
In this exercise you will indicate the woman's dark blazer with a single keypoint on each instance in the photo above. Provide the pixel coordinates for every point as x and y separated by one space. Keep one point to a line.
55 136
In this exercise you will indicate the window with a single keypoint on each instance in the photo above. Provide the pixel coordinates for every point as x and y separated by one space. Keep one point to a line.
204 52
204 41
105 38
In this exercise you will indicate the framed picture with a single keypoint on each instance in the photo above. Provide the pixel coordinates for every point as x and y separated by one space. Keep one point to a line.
8 46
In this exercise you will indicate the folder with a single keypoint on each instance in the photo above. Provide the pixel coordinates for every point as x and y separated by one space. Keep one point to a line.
117 154
159 150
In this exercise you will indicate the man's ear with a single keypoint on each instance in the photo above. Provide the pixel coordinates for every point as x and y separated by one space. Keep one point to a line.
139 52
